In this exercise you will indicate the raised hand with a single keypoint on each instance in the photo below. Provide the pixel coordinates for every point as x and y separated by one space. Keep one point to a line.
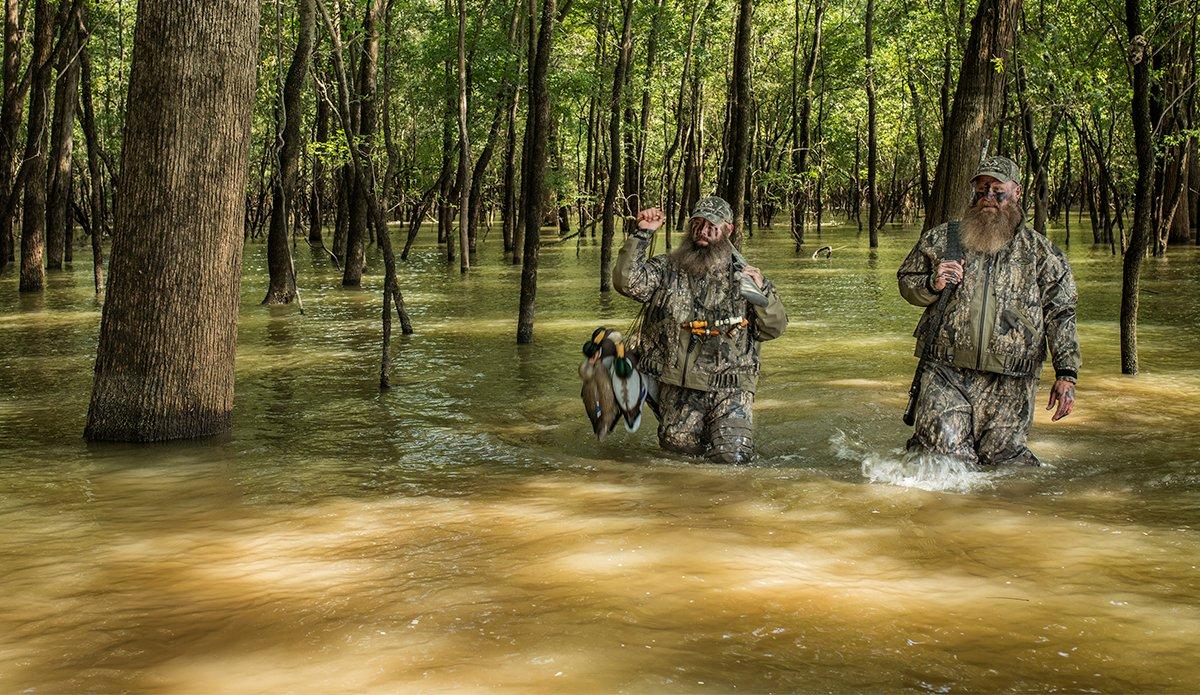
650 219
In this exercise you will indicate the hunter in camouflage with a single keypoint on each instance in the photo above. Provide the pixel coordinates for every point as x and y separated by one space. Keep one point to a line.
1015 301
700 331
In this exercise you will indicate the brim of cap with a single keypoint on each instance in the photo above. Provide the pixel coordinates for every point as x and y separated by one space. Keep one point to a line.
994 173
711 218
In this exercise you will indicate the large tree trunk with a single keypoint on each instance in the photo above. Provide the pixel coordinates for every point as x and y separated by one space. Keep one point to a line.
977 102
533 176
738 154
33 216
280 266
614 145
164 366
1139 237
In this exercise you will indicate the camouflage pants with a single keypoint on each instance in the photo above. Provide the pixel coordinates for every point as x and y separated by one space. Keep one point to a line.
718 424
979 417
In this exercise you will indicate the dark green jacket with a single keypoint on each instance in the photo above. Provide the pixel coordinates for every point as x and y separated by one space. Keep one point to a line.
1011 308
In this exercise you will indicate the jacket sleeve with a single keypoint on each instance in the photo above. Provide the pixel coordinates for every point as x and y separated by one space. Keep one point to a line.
1059 298
634 276
771 320
916 271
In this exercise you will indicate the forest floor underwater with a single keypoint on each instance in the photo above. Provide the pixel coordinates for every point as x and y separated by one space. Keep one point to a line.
465 531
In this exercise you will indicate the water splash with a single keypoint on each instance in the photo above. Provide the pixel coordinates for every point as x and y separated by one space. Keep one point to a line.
925 472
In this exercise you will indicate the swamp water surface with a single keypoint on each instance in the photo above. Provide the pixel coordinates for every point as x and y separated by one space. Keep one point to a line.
464 531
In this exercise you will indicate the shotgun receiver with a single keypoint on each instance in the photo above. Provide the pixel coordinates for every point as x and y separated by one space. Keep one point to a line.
934 326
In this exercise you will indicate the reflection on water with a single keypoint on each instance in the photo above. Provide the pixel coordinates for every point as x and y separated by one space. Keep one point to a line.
465 532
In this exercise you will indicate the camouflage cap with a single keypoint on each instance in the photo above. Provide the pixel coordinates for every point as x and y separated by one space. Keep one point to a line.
1002 169
713 209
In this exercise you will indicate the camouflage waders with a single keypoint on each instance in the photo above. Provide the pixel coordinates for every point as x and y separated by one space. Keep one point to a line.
980 417
718 424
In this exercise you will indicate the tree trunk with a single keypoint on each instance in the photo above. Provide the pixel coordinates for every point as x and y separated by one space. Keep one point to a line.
360 217
464 144
95 190
59 222
614 145
10 121
316 199
533 176
33 217
737 162
801 136
1139 238
873 221
164 366
280 265
977 102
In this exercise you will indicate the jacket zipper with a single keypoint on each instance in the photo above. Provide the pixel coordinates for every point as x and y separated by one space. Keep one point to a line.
987 277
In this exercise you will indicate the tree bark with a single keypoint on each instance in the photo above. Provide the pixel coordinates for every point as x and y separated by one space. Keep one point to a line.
801 135
1139 238
977 102
59 222
464 145
873 220
280 265
614 145
360 217
96 189
164 366
33 216
737 162
13 104
316 200
533 176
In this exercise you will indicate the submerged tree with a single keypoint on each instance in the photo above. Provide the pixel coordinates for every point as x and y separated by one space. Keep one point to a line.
164 366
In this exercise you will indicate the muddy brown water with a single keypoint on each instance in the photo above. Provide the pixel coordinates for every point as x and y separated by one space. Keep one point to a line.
464 532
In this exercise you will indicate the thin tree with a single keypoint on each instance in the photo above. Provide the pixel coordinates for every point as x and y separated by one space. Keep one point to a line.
1139 53
464 145
614 144
164 366
534 164
59 222
280 265
96 177
873 220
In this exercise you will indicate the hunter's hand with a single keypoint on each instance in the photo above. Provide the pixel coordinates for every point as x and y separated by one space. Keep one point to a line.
650 219
1062 394
948 273
754 274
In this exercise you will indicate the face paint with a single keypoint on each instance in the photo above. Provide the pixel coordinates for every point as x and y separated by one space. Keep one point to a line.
998 196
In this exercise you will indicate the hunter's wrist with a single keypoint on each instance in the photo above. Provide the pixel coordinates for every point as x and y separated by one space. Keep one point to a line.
1066 375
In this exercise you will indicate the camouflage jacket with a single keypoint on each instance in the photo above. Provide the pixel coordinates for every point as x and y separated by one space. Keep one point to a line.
667 348
1010 307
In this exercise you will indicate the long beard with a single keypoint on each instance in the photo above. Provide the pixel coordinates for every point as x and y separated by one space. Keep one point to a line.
698 261
987 230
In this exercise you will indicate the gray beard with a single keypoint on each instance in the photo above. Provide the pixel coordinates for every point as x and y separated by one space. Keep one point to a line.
698 261
988 231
